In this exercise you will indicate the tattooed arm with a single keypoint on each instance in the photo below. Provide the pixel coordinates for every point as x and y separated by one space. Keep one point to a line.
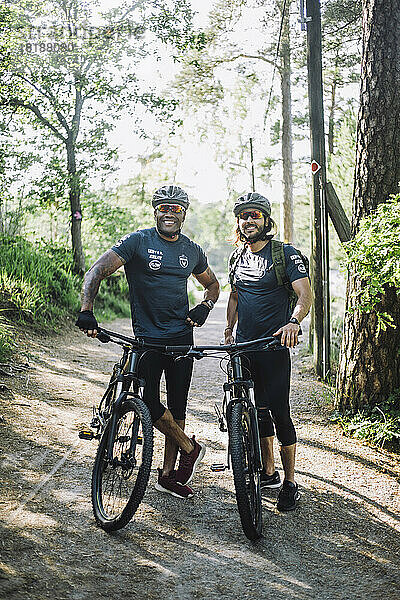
102 268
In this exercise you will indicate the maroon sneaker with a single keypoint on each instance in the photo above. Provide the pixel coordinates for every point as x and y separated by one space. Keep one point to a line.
169 485
188 462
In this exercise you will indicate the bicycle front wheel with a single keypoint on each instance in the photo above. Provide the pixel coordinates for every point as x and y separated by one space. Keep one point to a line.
242 444
119 481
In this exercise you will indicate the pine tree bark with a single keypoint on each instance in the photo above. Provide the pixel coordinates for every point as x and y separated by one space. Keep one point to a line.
369 369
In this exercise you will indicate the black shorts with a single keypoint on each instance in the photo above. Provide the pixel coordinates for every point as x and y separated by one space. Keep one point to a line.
270 371
178 376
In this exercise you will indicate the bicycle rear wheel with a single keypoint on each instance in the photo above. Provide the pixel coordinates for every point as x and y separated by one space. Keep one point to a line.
119 482
246 477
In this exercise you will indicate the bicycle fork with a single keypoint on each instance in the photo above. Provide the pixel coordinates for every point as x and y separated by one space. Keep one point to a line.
223 418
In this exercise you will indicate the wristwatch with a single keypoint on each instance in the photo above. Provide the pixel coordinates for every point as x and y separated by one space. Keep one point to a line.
294 320
209 303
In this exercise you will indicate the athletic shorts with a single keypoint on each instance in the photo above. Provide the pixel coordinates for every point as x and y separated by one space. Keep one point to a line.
178 375
270 371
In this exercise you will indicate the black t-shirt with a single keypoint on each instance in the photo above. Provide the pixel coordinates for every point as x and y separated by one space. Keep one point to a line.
157 272
263 305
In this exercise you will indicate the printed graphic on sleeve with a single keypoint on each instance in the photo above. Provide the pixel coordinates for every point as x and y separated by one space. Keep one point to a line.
299 263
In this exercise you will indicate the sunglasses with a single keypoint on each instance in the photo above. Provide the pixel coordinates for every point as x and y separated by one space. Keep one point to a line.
174 208
253 214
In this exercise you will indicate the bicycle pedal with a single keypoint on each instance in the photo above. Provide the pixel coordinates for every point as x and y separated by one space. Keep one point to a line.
218 467
86 434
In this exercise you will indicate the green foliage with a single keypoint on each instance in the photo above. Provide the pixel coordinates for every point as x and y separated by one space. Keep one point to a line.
275 132
378 425
6 340
112 299
341 167
375 255
37 287
36 283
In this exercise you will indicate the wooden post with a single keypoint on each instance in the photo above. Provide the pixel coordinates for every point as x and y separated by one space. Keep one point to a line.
320 241
337 214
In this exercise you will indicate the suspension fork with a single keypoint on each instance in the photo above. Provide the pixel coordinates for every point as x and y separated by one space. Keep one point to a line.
249 402
124 381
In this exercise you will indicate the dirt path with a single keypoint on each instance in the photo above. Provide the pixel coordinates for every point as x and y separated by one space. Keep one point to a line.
341 544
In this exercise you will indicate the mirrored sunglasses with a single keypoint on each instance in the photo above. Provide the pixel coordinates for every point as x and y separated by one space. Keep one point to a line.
174 208
253 214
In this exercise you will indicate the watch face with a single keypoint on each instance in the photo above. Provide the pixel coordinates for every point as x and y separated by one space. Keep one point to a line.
210 304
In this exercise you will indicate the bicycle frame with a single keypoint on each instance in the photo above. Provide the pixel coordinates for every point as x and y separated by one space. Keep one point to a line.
126 378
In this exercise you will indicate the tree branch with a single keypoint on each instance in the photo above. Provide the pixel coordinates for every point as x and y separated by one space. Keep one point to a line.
33 108
47 94
250 56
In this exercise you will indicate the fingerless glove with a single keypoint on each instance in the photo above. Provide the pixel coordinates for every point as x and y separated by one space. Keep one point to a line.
199 314
86 320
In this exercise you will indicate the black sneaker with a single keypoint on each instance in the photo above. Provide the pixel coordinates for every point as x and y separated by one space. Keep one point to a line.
270 481
288 496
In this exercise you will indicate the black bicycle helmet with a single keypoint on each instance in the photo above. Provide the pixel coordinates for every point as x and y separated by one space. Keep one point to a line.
170 194
252 200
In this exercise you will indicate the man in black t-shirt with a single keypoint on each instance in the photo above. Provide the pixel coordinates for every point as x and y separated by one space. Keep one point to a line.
158 263
261 307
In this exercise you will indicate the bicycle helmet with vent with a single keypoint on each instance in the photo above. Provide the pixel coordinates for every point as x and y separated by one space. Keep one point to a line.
252 200
170 194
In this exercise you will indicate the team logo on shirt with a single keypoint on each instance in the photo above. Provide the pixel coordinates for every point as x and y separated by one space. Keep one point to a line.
297 261
155 265
183 261
155 257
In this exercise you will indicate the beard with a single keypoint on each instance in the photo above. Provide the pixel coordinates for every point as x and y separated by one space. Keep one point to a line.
254 233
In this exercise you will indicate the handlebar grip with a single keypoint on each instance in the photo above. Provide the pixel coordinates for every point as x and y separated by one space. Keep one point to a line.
104 338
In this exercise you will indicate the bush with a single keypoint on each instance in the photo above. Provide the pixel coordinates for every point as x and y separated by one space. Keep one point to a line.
374 252
113 298
37 286
36 282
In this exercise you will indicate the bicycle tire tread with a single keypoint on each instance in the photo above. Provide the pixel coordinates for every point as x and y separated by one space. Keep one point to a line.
251 531
143 474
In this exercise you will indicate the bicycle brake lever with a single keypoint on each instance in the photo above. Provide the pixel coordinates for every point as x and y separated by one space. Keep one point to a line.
191 354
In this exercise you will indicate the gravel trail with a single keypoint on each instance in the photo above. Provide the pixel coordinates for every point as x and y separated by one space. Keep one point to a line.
341 544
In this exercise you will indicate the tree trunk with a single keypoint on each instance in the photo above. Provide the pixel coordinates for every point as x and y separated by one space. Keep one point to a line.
76 213
369 369
287 141
332 109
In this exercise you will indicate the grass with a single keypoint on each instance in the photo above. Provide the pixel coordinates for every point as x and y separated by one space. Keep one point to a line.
378 425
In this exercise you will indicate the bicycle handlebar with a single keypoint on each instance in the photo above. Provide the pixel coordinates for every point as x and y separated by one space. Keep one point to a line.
106 336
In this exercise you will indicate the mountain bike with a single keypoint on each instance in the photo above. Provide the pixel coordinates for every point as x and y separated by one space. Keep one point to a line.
123 424
239 418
